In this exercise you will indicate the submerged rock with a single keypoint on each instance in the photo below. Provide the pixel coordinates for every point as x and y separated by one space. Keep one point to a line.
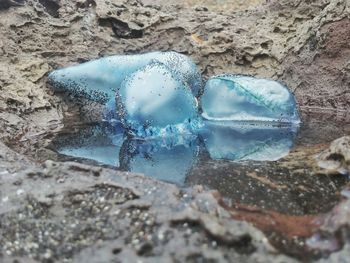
244 98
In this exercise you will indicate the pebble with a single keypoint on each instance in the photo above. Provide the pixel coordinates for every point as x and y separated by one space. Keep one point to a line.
20 191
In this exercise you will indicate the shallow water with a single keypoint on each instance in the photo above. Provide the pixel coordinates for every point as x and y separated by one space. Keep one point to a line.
173 158
264 174
251 164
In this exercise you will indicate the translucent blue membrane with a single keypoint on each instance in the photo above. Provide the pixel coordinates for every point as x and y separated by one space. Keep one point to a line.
156 95
153 100
99 79
244 98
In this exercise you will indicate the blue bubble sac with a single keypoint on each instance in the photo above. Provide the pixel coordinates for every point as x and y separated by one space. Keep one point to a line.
160 94
244 98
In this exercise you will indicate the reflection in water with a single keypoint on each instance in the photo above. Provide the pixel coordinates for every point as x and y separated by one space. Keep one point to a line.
98 143
171 159
282 198
159 159
243 142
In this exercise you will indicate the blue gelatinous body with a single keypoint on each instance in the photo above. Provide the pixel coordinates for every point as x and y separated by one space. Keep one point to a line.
154 101
155 94
241 141
99 79
244 98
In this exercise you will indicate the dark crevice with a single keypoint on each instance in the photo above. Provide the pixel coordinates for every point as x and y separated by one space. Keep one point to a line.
336 157
51 7
86 4
121 29
6 4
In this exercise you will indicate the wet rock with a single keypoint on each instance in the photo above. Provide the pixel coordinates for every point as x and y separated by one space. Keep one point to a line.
333 233
84 215
340 256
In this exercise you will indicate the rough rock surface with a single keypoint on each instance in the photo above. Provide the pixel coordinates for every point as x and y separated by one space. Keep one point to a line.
305 45
337 157
74 212
53 211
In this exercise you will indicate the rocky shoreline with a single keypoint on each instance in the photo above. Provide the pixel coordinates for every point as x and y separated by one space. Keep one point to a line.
55 211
